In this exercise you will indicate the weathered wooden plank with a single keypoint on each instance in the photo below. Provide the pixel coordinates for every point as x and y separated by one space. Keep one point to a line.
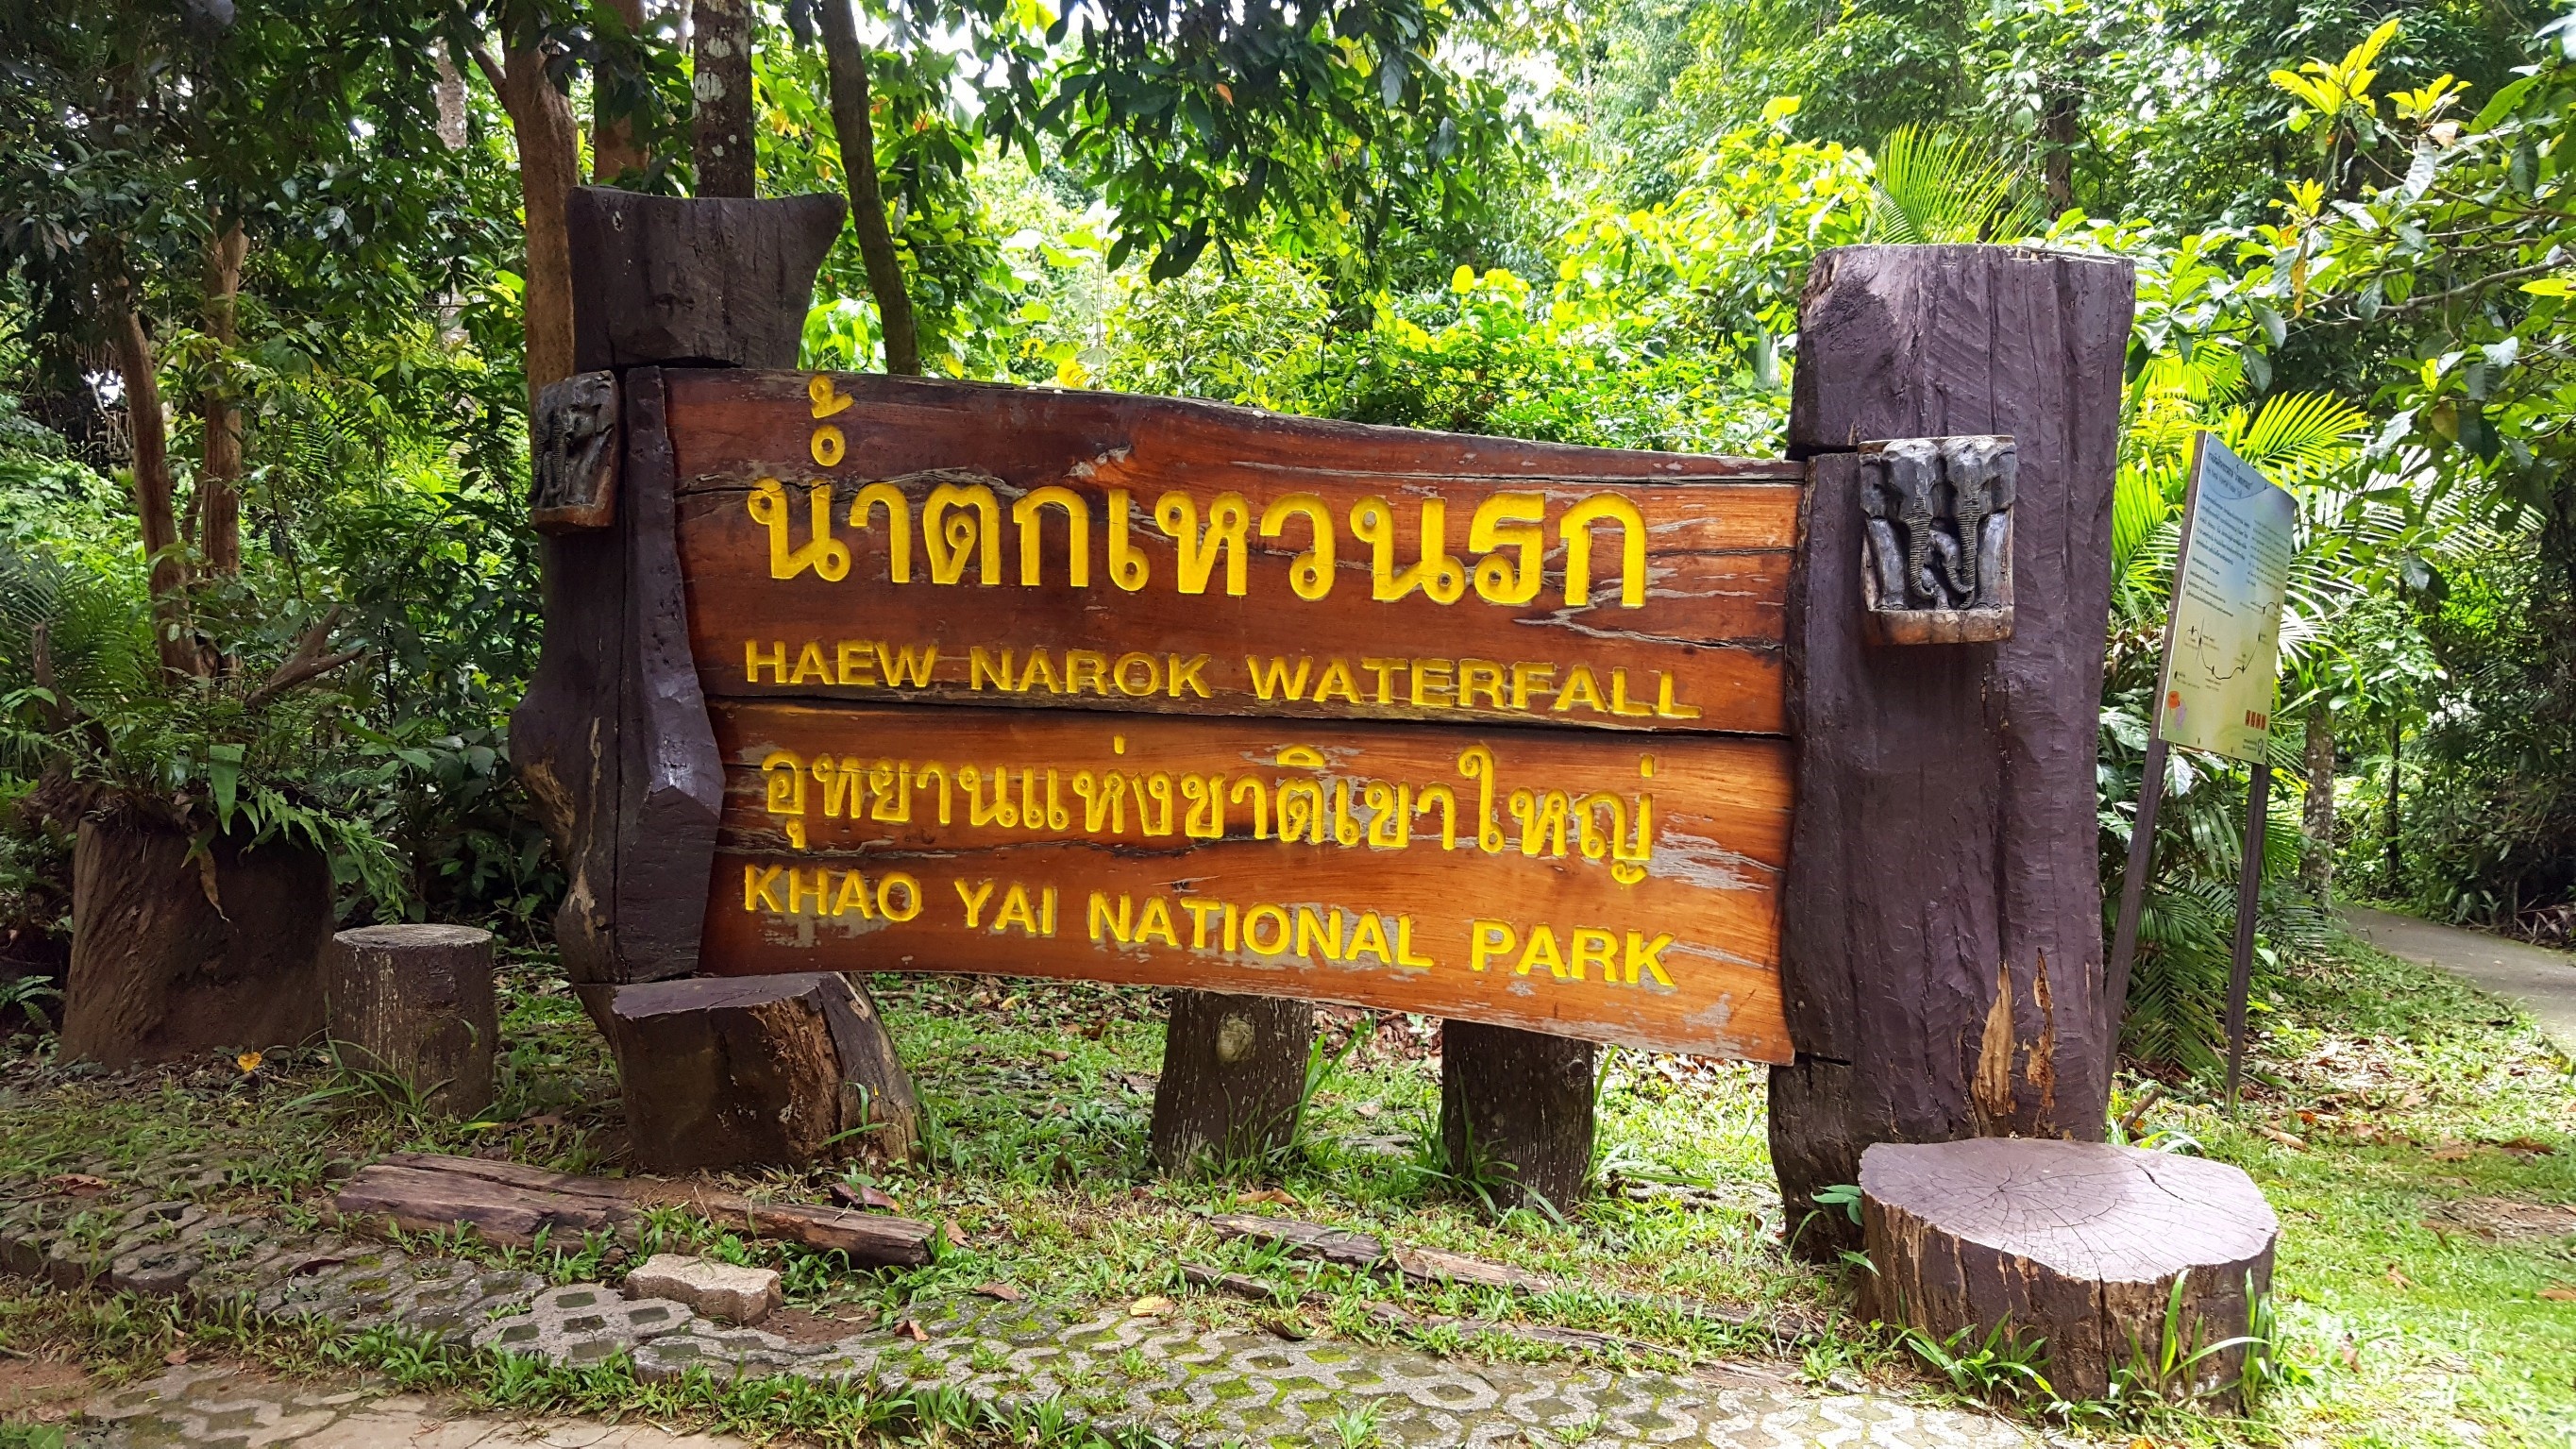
1068 550
1433 869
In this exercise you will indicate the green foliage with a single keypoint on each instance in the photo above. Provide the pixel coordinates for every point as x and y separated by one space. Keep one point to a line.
1933 187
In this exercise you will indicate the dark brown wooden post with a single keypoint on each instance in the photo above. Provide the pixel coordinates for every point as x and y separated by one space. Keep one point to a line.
416 1002
612 738
1234 1077
1942 937
1516 1112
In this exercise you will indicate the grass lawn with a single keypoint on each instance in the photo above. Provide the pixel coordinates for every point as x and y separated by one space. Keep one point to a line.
2418 1140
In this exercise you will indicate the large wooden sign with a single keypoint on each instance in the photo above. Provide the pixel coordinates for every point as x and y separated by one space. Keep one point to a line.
1138 690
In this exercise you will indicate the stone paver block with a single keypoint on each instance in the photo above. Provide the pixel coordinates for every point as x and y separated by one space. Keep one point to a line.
727 1291
585 1323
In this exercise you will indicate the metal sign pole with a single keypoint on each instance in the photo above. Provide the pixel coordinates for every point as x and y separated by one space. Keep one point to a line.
2249 889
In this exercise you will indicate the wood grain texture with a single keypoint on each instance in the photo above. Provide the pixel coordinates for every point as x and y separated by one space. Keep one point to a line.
668 281
416 1001
1943 921
1516 1113
1233 1080
2079 1243
1708 881
1718 538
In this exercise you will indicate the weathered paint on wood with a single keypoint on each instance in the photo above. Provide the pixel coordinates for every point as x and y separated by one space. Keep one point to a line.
1615 888
1106 552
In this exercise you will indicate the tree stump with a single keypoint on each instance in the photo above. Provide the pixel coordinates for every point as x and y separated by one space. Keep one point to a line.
1516 1112
759 1071
1234 1078
416 1003
2078 1243
173 956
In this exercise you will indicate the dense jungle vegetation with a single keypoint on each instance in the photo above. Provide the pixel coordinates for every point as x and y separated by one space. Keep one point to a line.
277 278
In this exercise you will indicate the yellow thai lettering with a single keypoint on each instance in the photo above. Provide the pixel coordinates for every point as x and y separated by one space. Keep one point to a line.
1435 572
1128 569
1077 528
1576 529
962 524
827 556
1201 550
1508 521
1310 574
898 517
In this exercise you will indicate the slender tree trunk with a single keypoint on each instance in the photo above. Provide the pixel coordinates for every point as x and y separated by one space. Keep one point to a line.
549 165
720 136
2396 866
2319 818
847 61
613 151
218 503
171 634
450 97
2057 133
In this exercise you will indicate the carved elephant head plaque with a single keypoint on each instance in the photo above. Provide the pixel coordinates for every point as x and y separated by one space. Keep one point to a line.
575 487
1937 540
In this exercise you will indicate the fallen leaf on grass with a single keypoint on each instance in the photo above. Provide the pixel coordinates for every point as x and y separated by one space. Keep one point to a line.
956 1235
175 1357
1055 1055
1003 1291
862 1196
2398 1278
2527 1147
1275 1195
1367 1109
2275 1134
542 1121
2351 1355
2559 1293
1149 1305
76 1182
2454 1152
912 1330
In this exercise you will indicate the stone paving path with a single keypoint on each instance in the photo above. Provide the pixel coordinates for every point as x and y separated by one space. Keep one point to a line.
2543 981
1189 1384
215 1408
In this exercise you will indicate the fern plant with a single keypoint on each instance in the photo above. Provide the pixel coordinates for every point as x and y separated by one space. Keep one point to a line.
1935 186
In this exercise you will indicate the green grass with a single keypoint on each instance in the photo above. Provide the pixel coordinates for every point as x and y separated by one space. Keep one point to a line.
1038 1158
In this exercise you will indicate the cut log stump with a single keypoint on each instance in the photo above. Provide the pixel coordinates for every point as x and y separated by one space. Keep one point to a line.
416 1003
759 1071
1516 1112
1234 1077
2077 1243
172 955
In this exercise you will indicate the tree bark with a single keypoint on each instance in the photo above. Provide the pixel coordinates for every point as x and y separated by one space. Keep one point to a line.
172 636
218 504
549 165
1234 1078
855 128
720 134
1941 922
613 150
779 1071
2079 1244
416 1002
1516 1112
2058 135
173 956
2318 818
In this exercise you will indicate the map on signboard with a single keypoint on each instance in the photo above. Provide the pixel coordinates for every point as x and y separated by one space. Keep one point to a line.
2224 645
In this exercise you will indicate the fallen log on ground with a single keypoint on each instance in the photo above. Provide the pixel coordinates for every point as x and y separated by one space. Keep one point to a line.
509 1204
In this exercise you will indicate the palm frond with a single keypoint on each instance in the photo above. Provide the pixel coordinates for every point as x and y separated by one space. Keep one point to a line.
1936 186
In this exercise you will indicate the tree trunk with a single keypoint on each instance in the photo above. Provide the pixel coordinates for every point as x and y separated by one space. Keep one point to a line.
720 135
172 636
416 1003
779 1071
2057 135
2318 819
1516 1113
218 503
173 957
2080 1244
855 128
2396 782
1234 1077
549 166
1941 921
613 151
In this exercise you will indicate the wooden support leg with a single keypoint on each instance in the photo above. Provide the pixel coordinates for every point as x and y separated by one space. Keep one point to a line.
1516 1112
759 1071
1234 1078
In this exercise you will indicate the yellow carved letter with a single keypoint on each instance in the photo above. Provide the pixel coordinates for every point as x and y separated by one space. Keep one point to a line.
1127 567
1311 574
976 530
1576 529
1436 572
1508 521
1228 517
823 553
1077 527
898 513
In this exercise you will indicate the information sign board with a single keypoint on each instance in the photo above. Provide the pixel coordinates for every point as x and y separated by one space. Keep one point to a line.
2223 648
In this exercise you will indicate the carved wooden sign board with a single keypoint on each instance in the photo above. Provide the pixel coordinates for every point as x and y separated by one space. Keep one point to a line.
1137 690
